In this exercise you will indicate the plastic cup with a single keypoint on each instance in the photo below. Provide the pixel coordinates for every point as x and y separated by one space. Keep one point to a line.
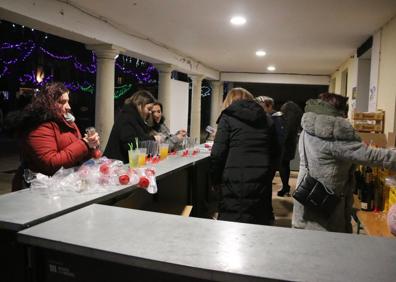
133 156
142 154
164 151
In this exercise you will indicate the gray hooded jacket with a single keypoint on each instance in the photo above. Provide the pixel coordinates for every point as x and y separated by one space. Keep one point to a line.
332 148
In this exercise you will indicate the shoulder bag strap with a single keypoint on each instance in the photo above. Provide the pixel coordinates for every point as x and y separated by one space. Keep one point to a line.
305 154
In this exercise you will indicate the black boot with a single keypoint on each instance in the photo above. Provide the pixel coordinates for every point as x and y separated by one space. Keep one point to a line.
284 191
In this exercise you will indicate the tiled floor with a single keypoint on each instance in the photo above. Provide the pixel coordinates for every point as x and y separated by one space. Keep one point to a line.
283 206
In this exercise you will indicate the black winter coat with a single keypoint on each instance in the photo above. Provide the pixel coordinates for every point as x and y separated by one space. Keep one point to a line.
292 114
241 161
128 125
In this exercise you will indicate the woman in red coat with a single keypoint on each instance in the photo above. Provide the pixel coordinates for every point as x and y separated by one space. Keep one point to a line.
49 137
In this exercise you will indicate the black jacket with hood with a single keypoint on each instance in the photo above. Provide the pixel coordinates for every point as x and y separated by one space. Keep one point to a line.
241 160
128 126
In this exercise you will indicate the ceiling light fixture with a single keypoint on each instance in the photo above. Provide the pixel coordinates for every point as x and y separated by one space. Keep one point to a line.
271 68
238 20
260 53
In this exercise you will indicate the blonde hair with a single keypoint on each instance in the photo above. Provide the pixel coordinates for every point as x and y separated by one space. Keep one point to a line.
236 94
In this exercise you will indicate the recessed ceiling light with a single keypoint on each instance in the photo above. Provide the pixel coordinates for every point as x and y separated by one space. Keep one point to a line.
271 68
238 20
260 53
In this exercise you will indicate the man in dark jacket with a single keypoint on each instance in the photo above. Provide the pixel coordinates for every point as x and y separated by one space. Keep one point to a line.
241 160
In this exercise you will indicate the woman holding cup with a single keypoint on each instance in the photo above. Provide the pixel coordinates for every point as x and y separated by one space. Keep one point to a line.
49 137
131 126
159 127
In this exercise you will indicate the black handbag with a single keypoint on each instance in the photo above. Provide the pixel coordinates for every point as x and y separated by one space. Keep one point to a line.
312 194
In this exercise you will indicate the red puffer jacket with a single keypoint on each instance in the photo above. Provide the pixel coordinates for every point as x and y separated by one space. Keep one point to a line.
49 147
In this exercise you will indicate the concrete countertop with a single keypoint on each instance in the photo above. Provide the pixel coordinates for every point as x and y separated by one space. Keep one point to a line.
28 207
217 250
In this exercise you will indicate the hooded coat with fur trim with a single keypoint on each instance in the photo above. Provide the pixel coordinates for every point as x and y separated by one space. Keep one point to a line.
241 162
333 147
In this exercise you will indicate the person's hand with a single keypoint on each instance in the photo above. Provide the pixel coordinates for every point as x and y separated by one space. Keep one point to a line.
158 138
181 134
92 141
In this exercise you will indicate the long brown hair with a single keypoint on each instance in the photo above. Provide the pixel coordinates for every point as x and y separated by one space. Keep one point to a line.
236 94
140 99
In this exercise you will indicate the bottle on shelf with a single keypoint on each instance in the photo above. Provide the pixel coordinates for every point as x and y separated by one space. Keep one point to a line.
367 193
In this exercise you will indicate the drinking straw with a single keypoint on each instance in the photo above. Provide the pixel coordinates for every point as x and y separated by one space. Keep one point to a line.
130 146
137 142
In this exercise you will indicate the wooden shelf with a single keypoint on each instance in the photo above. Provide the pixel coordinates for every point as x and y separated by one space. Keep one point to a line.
368 121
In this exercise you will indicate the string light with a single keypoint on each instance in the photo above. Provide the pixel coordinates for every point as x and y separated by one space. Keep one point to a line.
121 90
29 46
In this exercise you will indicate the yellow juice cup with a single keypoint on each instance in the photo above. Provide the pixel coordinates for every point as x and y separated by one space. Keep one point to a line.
164 150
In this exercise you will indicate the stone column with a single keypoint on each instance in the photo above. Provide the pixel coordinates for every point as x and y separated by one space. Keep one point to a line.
195 129
164 89
216 101
104 97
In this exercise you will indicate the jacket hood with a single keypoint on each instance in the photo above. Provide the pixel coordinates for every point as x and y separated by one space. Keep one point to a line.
328 127
247 111
321 107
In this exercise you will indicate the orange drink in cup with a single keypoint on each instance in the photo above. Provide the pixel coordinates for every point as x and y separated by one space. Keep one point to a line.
164 150
141 157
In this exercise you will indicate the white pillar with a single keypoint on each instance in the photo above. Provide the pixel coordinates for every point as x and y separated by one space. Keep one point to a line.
104 99
216 101
164 89
195 129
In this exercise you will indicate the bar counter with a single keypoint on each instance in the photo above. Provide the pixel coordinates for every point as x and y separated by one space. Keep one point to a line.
180 179
118 244
28 207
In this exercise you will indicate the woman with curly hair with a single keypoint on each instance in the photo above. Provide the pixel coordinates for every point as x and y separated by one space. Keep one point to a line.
49 138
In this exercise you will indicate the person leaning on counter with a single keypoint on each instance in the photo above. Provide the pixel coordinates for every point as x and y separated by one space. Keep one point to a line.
159 127
49 138
130 124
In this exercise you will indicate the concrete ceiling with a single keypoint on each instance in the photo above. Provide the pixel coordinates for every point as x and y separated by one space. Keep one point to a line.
299 36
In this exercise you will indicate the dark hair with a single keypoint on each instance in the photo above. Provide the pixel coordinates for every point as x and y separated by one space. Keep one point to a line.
43 106
339 102
156 126
158 104
293 114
